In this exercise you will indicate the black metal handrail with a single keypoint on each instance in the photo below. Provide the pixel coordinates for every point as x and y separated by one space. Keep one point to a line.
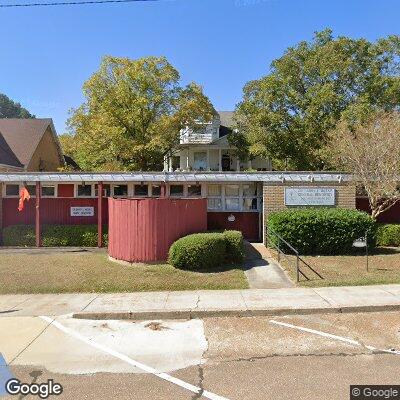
296 253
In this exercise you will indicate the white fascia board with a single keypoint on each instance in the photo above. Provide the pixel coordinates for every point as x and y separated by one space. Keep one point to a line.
278 177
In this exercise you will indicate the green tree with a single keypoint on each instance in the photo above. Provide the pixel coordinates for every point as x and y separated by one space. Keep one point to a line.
132 115
287 114
10 109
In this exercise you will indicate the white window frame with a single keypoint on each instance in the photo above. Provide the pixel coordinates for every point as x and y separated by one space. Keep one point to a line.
11 184
151 189
194 184
83 197
257 197
140 195
184 192
33 194
128 190
240 196
220 197
55 186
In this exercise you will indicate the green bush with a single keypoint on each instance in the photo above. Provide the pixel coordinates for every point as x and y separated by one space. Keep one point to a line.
54 235
322 230
198 251
388 235
234 246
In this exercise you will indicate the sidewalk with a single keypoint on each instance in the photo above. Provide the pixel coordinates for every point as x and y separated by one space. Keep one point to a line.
198 304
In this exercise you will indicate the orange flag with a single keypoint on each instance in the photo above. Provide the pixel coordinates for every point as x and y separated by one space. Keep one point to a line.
23 195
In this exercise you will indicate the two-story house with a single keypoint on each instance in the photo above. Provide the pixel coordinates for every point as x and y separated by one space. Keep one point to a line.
207 149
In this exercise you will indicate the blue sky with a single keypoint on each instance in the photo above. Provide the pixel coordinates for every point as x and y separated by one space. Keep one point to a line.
48 52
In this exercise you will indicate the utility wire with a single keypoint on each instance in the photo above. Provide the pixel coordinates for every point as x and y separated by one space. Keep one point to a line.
72 3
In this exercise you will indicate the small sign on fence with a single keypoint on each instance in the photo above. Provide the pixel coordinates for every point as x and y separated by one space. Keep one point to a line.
82 211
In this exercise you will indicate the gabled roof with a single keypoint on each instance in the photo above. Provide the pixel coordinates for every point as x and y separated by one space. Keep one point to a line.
7 157
23 136
226 118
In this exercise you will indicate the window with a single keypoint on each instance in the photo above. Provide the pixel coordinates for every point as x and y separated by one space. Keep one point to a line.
84 191
12 190
214 204
232 203
232 190
141 190
250 200
31 190
250 190
156 190
106 190
250 204
48 191
214 200
120 190
200 161
176 190
214 190
194 190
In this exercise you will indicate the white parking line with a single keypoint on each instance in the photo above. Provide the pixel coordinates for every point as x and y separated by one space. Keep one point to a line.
128 360
330 336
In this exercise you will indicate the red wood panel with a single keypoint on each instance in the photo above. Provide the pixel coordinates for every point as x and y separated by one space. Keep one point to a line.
65 190
52 212
391 216
247 223
144 229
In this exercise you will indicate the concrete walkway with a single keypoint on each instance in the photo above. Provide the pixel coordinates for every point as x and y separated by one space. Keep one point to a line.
198 304
262 271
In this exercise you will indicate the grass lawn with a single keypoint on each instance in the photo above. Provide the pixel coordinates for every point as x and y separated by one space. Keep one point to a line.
384 267
67 272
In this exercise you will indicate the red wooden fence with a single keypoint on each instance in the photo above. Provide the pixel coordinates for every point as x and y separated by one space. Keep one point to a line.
144 229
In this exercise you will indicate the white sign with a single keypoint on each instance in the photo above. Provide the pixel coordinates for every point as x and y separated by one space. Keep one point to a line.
361 242
82 211
309 196
231 218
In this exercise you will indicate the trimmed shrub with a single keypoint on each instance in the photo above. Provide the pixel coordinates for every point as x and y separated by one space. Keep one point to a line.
198 251
388 235
54 235
234 246
323 230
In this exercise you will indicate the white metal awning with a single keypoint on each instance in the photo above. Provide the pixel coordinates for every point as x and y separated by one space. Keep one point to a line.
177 177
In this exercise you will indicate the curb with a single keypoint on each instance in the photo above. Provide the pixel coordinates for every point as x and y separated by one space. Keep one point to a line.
191 314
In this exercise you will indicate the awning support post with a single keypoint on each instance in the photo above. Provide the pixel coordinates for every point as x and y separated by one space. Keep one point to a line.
38 229
100 214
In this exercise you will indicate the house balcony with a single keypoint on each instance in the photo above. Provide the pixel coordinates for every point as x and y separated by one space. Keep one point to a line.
197 138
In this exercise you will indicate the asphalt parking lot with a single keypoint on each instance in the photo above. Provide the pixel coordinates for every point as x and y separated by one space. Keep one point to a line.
305 357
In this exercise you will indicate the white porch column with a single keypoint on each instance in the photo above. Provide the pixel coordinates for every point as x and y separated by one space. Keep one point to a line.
237 164
187 159
170 164
249 164
166 163
208 159
220 159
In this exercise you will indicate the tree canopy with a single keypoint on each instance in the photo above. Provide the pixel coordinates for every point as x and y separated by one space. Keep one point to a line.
11 109
371 151
287 114
133 113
